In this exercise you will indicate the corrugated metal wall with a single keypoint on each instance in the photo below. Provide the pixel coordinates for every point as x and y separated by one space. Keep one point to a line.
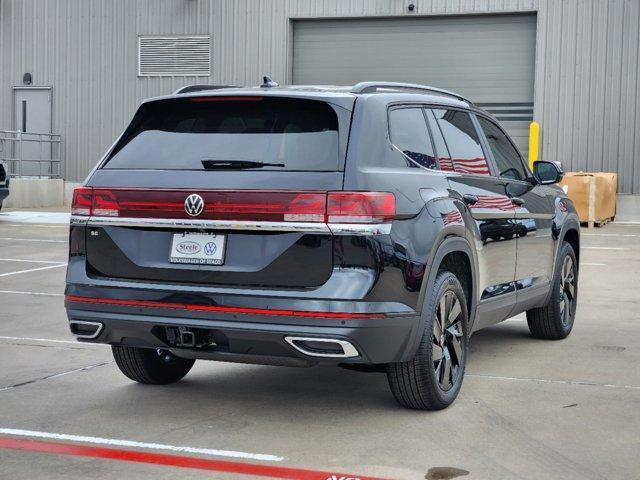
587 81
87 50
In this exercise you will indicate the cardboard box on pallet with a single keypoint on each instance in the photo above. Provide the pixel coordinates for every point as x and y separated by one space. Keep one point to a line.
593 194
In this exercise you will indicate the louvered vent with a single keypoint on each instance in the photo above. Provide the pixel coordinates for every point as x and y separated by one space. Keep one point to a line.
178 56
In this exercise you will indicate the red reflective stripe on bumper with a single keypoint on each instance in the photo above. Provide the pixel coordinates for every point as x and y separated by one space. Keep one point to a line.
220 308
170 460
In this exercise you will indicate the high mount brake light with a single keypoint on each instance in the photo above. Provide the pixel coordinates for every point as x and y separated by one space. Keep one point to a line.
238 205
225 99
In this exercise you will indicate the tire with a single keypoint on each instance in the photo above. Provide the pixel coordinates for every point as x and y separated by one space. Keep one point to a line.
555 320
422 383
150 366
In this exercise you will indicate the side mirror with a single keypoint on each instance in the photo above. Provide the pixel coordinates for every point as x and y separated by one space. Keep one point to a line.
547 173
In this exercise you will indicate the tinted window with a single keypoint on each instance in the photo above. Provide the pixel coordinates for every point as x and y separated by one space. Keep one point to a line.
462 141
178 134
410 136
506 156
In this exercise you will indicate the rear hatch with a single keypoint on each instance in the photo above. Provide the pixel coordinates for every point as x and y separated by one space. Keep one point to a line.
219 190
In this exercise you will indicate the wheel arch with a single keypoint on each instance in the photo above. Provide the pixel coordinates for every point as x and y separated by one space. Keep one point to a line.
449 253
569 232
572 236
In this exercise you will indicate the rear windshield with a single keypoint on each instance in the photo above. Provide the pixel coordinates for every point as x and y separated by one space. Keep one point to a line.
181 134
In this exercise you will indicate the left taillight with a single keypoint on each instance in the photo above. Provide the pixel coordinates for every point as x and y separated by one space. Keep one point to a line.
82 202
360 207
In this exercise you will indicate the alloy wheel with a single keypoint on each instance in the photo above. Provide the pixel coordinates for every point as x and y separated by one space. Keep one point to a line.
447 350
567 290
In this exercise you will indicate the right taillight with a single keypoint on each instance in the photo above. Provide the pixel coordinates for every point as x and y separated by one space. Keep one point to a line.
360 207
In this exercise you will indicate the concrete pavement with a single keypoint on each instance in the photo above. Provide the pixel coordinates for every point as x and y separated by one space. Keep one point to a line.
528 408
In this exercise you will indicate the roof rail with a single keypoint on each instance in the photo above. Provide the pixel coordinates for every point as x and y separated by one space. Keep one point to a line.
199 88
367 87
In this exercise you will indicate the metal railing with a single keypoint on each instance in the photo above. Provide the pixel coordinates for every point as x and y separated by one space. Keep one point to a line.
28 154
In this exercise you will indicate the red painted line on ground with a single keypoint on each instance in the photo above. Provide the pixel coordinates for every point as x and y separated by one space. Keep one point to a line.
173 460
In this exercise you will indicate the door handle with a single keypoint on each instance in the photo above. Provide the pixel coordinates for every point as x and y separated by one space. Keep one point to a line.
517 201
470 199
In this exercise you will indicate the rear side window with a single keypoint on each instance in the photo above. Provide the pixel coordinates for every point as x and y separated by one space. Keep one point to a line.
462 142
506 156
179 134
409 134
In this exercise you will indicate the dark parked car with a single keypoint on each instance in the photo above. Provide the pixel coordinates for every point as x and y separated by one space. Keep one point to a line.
375 227
4 183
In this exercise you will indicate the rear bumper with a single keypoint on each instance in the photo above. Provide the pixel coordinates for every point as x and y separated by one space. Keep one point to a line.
251 338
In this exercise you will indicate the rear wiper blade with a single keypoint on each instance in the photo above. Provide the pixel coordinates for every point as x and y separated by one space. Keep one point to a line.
236 164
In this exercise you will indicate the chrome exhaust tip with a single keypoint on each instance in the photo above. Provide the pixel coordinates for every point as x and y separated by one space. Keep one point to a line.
323 347
86 330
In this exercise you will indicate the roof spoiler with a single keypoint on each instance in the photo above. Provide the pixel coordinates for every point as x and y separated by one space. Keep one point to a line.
200 88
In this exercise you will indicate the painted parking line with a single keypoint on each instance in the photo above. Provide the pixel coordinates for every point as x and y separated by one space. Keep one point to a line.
25 260
46 240
589 264
33 270
19 292
170 460
604 248
46 340
39 218
609 235
37 225
545 380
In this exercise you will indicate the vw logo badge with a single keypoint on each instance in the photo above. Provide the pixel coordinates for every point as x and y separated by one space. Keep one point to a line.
210 248
193 205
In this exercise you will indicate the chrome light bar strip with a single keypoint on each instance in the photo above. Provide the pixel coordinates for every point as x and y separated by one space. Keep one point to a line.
181 224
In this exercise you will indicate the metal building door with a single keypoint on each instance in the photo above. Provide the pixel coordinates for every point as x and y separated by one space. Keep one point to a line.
489 59
32 115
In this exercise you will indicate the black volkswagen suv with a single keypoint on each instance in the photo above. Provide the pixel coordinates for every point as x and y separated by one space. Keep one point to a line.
375 227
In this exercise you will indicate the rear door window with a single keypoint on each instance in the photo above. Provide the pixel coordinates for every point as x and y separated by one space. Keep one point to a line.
505 154
409 135
463 143
181 134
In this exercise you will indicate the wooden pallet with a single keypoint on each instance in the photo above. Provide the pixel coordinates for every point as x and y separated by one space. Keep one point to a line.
597 223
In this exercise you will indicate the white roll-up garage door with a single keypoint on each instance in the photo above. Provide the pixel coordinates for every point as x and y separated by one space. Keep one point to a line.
488 59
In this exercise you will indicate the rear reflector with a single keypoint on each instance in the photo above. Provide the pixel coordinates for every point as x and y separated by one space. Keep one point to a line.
219 308
242 205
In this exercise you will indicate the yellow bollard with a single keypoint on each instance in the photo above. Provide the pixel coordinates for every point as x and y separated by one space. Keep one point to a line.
534 141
